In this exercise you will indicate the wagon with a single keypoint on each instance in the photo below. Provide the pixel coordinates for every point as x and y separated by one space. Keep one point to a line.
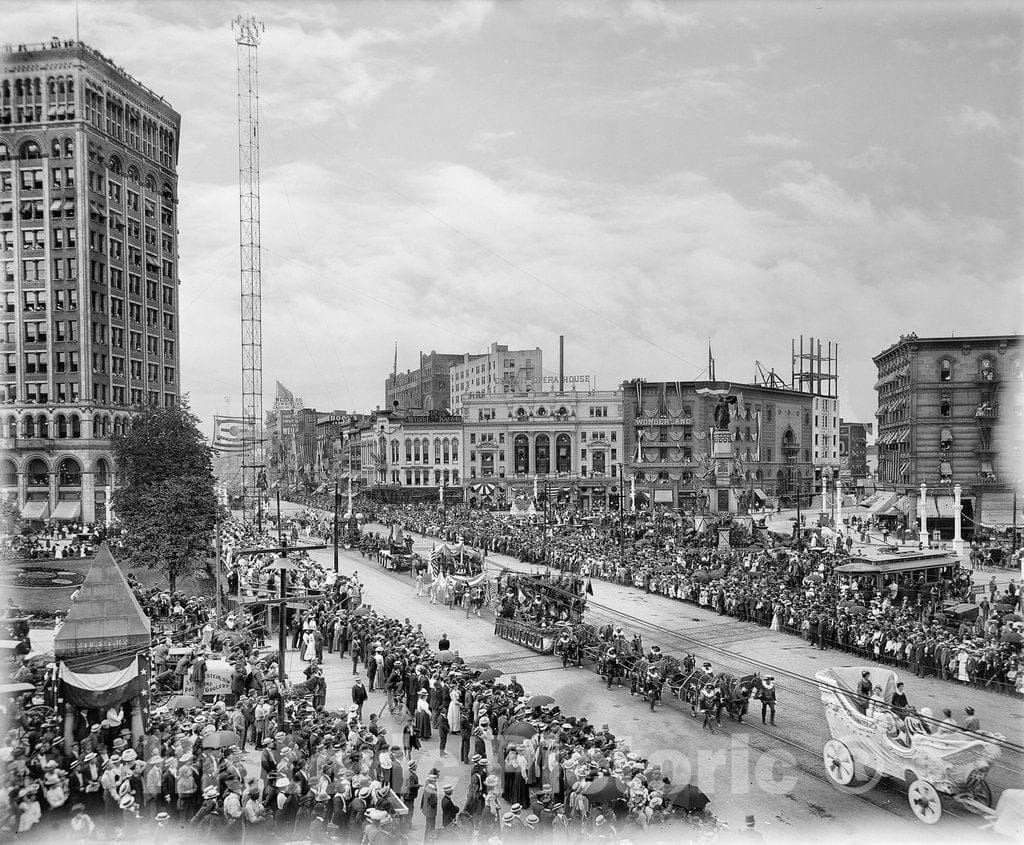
867 744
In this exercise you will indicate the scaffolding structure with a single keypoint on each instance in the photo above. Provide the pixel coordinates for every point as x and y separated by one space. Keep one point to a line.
815 371
247 36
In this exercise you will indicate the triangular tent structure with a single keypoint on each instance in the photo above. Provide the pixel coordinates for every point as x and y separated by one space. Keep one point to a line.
106 616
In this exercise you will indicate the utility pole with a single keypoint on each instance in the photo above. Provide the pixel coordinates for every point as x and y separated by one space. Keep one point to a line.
217 564
282 566
335 532
280 541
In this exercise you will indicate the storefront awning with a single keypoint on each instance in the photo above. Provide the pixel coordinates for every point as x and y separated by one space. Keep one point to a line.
56 205
760 494
35 510
944 506
883 503
68 510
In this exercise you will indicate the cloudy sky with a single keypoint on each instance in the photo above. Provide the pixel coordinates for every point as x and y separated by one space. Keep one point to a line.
640 176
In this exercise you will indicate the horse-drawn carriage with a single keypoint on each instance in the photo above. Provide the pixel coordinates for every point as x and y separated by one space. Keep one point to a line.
733 691
396 557
869 742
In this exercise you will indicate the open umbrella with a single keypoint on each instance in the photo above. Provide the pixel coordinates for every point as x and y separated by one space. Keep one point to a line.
522 729
857 610
478 664
183 702
489 674
813 578
362 610
604 790
1013 617
540 701
445 657
1010 637
221 739
282 564
687 797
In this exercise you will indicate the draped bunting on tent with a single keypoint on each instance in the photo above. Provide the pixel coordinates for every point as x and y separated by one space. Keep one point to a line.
86 683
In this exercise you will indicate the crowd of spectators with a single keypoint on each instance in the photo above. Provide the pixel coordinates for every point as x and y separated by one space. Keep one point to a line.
236 767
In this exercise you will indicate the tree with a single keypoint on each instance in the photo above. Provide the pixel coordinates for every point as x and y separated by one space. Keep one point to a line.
166 500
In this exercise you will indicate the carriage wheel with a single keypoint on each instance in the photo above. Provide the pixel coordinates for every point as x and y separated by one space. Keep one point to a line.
925 801
839 763
983 794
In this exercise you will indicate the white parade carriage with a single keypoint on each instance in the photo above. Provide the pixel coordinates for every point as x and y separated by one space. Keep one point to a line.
869 742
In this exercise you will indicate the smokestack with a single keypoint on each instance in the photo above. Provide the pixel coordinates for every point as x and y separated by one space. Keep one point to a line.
561 363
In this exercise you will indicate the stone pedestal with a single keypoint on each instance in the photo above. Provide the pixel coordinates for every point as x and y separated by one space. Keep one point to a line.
958 540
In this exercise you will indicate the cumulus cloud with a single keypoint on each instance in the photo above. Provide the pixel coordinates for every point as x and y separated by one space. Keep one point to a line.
974 121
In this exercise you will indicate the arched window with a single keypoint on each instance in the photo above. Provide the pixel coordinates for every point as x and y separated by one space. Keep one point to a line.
115 165
946 370
28 427
447 450
76 426
394 451
38 473
946 406
30 149
150 183
11 427
455 449
43 426
416 450
102 472
69 473
55 148
563 453
69 147
62 426
437 450
521 447
988 369
8 473
408 450
133 174
543 454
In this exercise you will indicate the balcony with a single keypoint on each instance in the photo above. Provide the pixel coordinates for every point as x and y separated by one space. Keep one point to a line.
986 413
990 377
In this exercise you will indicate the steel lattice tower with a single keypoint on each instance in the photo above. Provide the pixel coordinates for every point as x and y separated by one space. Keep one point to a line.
247 35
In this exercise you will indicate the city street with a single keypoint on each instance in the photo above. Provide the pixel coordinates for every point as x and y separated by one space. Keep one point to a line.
772 773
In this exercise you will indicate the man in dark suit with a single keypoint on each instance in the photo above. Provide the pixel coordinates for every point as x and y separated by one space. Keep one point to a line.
449 809
443 729
428 804
359 696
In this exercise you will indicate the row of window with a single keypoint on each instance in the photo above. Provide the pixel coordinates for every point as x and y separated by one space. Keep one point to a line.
38 393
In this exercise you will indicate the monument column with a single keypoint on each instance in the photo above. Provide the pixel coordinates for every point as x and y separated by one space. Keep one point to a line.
839 504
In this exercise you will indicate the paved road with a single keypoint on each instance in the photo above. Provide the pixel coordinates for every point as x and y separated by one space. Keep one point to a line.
746 770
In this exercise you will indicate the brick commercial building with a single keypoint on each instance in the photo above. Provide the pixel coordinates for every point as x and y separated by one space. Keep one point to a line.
427 388
499 370
853 450
667 429
88 271
951 412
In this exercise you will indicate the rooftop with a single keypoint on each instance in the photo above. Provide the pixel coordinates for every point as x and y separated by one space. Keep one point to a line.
70 47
